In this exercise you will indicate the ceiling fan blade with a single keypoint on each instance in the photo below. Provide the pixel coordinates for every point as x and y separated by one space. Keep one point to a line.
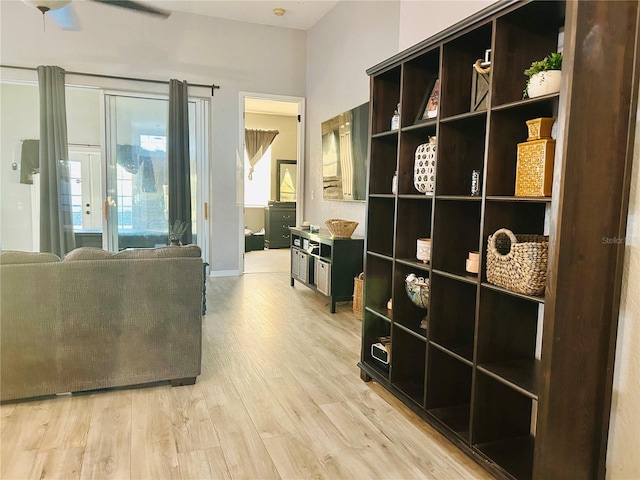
65 17
140 7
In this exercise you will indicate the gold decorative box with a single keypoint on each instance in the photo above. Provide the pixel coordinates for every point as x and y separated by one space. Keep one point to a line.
534 171
540 128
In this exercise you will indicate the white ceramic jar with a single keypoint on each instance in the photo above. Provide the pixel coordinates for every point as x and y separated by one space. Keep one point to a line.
423 250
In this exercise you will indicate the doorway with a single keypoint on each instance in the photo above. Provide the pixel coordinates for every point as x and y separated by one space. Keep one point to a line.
276 183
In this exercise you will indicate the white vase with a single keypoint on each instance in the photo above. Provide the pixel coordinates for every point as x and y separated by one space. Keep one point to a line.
424 167
544 83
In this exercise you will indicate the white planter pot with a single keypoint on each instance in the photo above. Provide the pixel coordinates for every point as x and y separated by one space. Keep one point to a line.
544 83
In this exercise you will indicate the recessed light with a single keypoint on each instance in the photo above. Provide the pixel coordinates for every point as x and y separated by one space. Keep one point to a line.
278 11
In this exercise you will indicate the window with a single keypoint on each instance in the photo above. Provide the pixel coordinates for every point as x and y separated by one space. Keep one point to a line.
75 181
125 199
154 143
257 191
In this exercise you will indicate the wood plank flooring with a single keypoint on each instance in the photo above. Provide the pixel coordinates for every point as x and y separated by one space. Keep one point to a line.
279 397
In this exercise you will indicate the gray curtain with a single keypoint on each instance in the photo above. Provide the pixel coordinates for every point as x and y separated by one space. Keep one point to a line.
56 224
256 143
178 159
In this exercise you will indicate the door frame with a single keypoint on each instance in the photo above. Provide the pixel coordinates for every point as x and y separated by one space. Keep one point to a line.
240 167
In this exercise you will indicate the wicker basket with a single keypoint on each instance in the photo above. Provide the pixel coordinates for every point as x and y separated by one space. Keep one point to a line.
517 262
341 228
357 295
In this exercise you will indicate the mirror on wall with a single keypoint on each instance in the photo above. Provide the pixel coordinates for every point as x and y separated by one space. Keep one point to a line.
287 174
344 155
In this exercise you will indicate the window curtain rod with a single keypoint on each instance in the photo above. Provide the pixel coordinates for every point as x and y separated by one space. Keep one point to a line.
213 87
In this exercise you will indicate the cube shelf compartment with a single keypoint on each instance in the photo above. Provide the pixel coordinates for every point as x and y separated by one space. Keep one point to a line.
452 315
408 364
449 391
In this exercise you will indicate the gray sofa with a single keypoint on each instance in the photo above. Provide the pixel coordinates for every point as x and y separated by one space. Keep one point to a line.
96 319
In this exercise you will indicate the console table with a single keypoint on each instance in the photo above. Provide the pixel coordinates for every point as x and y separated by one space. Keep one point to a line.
325 264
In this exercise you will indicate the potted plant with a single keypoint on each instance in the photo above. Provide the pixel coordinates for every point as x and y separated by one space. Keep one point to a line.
544 76
176 231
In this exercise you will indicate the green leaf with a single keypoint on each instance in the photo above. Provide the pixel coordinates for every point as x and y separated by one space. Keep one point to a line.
553 61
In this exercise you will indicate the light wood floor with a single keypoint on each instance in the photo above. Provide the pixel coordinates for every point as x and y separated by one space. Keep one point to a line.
274 260
279 397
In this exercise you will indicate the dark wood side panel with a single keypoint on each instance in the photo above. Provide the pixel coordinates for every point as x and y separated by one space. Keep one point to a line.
582 311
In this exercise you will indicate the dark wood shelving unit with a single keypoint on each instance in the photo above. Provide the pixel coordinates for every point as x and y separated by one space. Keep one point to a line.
516 381
326 264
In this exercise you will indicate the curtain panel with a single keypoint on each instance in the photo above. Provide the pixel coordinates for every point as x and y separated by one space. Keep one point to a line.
56 222
178 158
256 143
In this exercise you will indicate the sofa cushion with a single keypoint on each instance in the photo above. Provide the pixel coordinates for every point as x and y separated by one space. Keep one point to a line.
87 253
93 253
161 252
10 257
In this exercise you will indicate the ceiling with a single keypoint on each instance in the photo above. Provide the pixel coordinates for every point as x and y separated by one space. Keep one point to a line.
301 15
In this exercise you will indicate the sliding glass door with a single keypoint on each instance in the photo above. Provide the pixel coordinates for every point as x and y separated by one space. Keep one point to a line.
136 183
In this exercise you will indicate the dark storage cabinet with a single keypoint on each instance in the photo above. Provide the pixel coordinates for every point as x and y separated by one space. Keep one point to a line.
278 217
520 383
325 264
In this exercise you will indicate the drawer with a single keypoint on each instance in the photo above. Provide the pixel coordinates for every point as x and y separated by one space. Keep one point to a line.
280 231
287 217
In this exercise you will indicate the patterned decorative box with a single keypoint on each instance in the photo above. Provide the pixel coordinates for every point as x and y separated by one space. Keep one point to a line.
534 171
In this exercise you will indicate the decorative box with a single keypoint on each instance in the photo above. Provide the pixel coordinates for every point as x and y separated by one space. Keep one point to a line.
534 170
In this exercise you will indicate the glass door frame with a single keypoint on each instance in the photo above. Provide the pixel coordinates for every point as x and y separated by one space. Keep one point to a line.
203 138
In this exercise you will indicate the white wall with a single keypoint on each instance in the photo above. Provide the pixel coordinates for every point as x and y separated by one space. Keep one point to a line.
237 56
349 39
423 18
623 461
19 111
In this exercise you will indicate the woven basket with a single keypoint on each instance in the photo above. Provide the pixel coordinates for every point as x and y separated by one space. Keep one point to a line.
357 295
341 228
517 262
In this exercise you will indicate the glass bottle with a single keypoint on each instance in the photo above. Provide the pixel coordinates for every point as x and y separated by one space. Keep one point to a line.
394 183
395 120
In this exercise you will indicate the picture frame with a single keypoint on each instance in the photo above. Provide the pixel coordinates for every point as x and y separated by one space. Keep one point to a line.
287 176
429 106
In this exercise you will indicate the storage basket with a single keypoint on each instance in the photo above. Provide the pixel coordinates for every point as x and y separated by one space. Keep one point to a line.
517 262
357 295
341 228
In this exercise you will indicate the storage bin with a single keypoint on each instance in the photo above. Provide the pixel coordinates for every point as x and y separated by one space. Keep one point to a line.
323 276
